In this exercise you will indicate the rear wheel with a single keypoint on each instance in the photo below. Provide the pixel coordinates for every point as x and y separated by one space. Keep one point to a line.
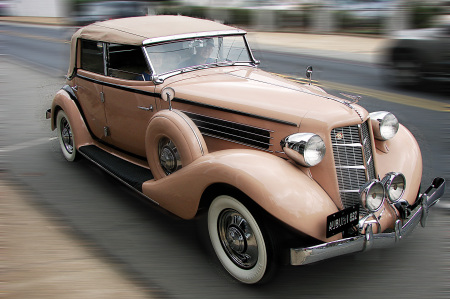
241 244
65 136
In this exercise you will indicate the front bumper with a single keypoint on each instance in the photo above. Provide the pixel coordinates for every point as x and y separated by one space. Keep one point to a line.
368 240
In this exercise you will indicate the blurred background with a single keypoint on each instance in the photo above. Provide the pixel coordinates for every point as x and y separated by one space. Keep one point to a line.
395 54
318 16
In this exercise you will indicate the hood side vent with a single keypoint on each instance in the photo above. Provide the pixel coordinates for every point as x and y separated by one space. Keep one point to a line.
231 131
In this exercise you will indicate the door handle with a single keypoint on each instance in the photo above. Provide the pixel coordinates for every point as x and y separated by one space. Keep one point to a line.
150 108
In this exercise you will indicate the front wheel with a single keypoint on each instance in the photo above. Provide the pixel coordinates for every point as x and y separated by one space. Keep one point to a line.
65 136
242 246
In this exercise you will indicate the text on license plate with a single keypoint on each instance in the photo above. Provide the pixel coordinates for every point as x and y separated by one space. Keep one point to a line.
342 220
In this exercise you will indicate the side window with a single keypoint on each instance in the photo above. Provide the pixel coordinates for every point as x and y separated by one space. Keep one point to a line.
127 62
92 56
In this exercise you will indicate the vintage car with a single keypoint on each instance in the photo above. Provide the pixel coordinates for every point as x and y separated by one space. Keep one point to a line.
416 55
280 172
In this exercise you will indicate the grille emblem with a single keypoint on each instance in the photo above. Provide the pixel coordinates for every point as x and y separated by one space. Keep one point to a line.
340 136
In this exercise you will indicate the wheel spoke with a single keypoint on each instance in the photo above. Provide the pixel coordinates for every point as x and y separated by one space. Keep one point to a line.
66 135
238 239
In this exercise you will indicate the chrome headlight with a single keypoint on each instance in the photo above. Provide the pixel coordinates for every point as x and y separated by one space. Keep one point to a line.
372 195
307 149
394 184
384 124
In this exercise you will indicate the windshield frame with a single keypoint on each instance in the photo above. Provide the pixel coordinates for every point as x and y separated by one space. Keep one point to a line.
160 77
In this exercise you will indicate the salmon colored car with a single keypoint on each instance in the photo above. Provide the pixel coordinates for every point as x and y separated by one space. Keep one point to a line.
177 109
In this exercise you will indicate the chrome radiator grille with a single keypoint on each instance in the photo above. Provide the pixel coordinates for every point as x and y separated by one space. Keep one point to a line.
231 131
353 158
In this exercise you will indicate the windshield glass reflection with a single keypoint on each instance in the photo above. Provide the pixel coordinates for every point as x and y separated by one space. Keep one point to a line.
198 53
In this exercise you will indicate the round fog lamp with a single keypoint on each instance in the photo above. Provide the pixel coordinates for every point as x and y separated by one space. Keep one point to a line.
372 195
394 184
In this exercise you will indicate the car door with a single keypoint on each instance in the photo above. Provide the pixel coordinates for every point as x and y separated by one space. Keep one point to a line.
129 100
88 87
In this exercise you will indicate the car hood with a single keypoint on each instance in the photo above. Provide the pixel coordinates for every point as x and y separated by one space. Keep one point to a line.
256 92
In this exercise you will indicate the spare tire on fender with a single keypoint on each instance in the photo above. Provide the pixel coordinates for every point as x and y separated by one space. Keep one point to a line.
172 141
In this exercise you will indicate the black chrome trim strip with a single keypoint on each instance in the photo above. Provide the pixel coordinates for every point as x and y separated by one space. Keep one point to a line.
230 122
237 142
184 101
121 87
238 133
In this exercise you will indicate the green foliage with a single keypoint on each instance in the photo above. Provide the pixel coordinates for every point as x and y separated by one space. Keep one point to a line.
422 15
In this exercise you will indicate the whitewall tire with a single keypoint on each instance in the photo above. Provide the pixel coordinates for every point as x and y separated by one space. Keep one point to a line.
65 136
238 240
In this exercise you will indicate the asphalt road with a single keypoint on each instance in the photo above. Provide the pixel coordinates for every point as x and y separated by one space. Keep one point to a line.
163 252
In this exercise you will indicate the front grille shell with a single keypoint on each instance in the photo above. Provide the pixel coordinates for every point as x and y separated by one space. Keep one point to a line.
353 159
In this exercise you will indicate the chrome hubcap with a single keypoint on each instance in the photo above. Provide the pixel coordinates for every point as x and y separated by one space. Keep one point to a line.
237 239
66 135
169 158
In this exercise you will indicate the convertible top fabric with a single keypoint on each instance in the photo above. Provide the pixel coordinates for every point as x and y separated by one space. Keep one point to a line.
134 31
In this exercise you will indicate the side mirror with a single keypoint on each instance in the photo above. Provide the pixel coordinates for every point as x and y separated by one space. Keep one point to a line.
309 71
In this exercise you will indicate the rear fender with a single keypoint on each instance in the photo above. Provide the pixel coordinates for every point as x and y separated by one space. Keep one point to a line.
63 101
276 185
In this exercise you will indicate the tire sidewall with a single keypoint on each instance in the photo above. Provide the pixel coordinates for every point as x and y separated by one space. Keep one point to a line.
248 276
68 156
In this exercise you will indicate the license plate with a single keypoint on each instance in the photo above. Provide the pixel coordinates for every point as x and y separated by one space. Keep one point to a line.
342 220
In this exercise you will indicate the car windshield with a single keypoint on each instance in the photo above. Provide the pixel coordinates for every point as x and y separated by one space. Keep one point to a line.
198 53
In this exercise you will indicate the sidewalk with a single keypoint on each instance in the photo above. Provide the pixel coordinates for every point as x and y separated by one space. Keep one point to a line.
40 259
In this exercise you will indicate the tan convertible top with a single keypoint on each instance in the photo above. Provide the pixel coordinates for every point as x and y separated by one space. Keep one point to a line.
137 30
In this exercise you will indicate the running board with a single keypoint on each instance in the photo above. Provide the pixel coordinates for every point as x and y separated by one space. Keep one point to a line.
129 173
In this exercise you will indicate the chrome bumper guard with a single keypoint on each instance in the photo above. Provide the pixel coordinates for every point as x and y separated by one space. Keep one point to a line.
369 240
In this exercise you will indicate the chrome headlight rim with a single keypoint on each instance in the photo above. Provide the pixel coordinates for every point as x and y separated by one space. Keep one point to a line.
392 180
368 191
384 124
307 149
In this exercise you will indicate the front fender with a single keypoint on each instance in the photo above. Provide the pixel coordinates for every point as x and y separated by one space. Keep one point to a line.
63 101
401 154
273 183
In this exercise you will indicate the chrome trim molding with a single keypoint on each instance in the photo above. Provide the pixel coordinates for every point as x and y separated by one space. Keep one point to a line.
223 109
368 240
168 38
